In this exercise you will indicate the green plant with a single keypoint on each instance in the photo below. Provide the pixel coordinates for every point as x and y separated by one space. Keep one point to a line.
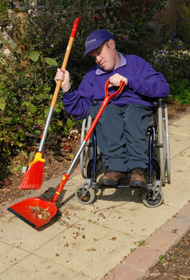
171 47
132 250
27 87
162 259
3 10
159 269
141 243
180 90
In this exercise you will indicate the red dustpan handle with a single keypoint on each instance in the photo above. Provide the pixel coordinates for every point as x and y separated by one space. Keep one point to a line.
116 93
108 96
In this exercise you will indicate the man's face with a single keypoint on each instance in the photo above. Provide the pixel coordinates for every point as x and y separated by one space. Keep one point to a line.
106 56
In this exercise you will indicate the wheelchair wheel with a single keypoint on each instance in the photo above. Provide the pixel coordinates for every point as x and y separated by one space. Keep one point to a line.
164 150
87 152
167 146
148 201
84 195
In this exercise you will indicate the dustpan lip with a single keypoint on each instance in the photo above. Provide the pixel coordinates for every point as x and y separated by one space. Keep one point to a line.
19 210
21 217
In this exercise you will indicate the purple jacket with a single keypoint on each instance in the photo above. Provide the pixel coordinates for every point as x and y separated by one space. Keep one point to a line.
144 85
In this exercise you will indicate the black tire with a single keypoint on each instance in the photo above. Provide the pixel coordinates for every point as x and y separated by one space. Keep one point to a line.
147 199
84 196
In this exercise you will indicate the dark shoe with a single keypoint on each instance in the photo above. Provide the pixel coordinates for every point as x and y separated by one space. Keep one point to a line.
137 178
112 178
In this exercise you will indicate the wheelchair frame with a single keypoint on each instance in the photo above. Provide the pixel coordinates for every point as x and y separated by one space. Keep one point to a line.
158 173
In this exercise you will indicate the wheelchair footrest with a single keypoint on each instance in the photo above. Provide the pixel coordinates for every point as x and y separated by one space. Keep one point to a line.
156 188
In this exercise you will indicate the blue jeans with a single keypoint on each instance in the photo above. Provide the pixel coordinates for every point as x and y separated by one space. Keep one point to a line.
121 135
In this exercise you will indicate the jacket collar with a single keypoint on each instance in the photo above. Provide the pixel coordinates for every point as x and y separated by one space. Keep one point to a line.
122 63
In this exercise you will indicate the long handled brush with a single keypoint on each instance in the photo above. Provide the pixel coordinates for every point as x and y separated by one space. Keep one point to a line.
33 176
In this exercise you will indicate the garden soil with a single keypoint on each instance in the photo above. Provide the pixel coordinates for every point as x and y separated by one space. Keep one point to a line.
56 163
174 265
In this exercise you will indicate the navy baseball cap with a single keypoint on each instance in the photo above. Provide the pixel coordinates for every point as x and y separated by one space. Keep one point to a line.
96 39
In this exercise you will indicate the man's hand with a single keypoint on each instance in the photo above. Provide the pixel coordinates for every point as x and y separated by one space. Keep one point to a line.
116 79
63 75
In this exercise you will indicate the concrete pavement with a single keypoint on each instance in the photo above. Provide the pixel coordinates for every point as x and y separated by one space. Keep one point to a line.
116 238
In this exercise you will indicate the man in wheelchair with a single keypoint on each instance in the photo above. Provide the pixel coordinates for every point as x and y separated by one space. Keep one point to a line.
122 127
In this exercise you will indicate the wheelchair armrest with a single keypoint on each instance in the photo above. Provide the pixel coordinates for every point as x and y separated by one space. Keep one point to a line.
155 104
95 102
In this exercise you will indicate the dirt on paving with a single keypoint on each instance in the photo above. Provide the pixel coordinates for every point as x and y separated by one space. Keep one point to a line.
174 265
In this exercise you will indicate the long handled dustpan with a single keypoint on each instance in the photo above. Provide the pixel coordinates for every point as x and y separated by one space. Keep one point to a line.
32 210
33 176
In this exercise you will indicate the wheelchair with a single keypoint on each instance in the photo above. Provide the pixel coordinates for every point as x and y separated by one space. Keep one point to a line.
157 173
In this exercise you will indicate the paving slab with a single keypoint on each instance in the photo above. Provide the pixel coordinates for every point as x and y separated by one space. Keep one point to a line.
90 248
142 258
115 238
10 256
181 126
185 211
36 268
131 218
25 237
162 240
177 225
123 272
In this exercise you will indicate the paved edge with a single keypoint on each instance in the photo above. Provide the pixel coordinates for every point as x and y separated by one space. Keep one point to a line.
136 264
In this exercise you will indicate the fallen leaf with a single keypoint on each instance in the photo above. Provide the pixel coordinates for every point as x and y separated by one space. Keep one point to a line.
101 216
91 249
113 238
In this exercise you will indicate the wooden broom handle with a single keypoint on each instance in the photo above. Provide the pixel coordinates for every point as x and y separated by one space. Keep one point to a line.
65 60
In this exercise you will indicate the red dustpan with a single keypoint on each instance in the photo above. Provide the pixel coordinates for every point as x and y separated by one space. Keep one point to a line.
30 211
39 211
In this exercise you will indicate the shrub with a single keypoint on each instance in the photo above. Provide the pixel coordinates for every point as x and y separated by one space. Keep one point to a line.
27 84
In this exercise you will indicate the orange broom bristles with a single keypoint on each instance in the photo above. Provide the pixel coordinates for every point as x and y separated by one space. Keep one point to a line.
32 180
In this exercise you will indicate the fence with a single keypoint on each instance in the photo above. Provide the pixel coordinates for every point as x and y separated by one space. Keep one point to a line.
8 40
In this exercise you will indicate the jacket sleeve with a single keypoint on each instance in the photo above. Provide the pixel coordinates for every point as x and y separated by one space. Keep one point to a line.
147 82
78 102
